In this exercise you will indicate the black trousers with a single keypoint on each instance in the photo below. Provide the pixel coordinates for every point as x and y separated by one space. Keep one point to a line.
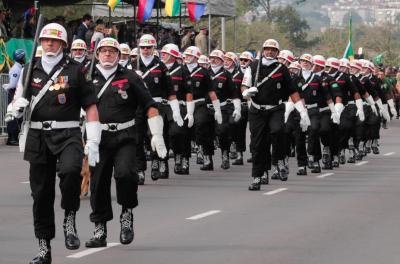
223 130
42 177
141 137
327 131
314 143
204 128
238 130
119 159
265 126
179 137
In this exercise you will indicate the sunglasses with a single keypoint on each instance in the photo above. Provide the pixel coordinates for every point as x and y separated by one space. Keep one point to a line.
245 60
145 47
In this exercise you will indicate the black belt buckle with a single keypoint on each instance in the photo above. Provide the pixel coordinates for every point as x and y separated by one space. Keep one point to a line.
112 127
263 108
46 125
164 101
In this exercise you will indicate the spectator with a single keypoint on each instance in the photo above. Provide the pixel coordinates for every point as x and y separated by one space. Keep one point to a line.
201 41
84 27
30 27
97 35
3 30
187 39
18 31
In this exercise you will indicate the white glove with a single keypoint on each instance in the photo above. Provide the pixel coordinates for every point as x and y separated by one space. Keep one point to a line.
217 109
140 73
156 126
18 106
9 115
360 110
237 112
334 115
289 107
371 102
93 133
385 112
248 93
189 115
304 119
392 107
339 107
176 112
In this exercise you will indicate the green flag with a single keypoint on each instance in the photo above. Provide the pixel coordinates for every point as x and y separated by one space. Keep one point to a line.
378 59
348 53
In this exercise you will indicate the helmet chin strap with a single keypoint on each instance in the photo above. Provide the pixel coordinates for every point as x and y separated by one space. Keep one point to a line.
53 54
109 65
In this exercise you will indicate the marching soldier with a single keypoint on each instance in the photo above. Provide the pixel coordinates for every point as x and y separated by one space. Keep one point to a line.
124 60
54 141
199 86
179 134
266 84
79 52
133 56
156 77
120 92
227 94
204 62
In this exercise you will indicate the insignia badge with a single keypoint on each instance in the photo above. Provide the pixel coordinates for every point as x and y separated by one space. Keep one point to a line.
61 98
220 85
95 81
197 84
189 82
278 85
37 80
124 95
176 87
299 84
314 92
156 80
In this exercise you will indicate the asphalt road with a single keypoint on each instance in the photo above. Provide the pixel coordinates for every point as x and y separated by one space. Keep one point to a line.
349 215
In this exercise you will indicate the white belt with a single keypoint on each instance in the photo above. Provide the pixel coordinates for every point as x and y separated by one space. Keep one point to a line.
228 101
324 108
181 102
311 106
263 107
114 127
160 100
50 125
351 103
199 100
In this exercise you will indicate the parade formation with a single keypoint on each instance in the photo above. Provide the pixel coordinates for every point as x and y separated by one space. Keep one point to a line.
128 108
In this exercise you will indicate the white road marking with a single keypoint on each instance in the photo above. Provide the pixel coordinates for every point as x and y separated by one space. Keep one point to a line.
25 182
361 163
389 154
202 215
325 175
275 191
92 251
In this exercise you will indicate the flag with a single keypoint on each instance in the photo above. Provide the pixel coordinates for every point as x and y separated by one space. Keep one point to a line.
113 4
378 59
144 10
348 53
172 7
195 10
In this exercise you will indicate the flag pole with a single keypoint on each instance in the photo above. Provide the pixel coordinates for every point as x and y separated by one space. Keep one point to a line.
209 27
134 23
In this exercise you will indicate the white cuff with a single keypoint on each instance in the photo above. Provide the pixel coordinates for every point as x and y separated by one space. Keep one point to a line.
217 105
237 104
370 100
390 103
359 104
300 106
190 107
156 125
332 107
174 105
379 103
93 131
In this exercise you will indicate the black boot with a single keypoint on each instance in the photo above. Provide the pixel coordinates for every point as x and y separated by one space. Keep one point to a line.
208 163
155 169
126 219
71 237
200 156
326 159
178 164
342 157
99 238
275 174
283 171
44 255
302 171
233 153
374 147
239 159
335 162
352 158
316 167
255 185
265 178
164 169
141 177
225 160
185 166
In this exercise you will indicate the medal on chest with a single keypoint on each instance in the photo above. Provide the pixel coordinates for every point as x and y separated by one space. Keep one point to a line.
278 86
220 85
156 80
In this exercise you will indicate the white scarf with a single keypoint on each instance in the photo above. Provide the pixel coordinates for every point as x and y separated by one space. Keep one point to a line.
216 69
123 63
169 65
106 72
191 66
79 59
268 61
306 74
230 70
48 62
147 60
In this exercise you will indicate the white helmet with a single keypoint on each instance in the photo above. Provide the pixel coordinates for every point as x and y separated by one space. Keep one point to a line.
78 44
247 56
356 64
232 56
371 66
108 42
319 60
203 59
306 57
333 63
286 55
124 48
134 52
54 31
271 43
172 50
193 51
39 52
147 40
295 65
344 63
217 54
